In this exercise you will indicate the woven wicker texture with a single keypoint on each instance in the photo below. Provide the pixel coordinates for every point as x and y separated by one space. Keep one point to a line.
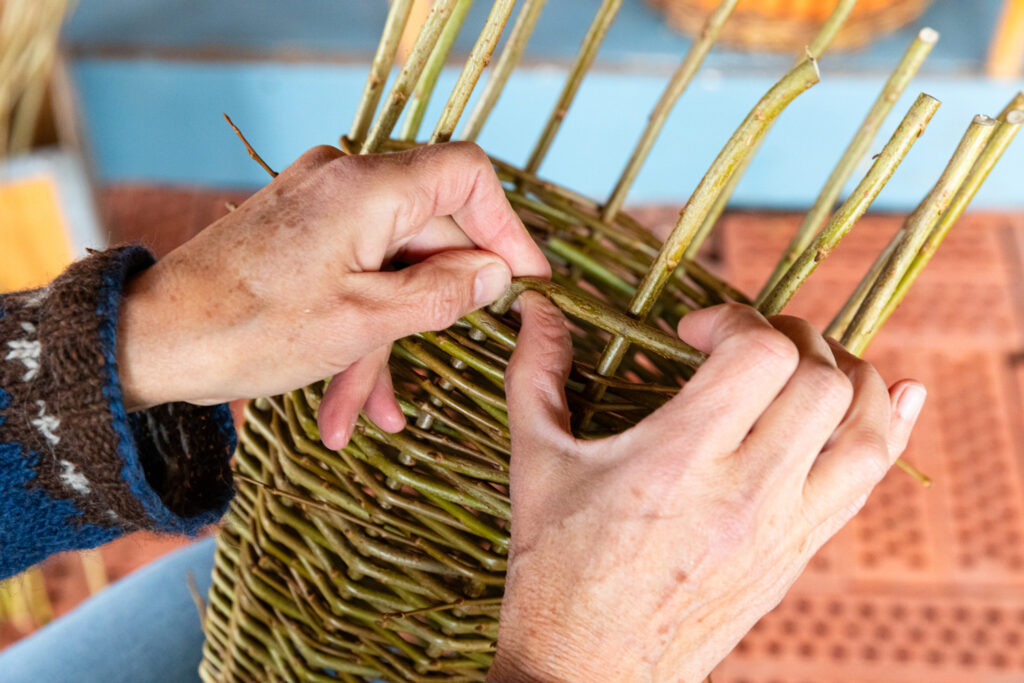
787 25
386 559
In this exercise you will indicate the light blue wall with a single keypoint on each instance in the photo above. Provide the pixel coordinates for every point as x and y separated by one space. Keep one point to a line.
158 119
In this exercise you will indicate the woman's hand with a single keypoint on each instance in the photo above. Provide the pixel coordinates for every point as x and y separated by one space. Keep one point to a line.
648 555
285 290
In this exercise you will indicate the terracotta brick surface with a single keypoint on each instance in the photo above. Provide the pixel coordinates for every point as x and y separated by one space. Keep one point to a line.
925 584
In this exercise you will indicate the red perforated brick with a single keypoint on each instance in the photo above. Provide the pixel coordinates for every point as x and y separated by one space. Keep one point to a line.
925 584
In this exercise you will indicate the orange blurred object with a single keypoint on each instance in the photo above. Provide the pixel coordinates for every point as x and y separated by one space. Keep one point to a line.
788 25
34 243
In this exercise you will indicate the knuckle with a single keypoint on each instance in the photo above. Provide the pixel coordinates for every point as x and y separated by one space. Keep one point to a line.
771 343
470 152
869 453
444 303
318 156
828 382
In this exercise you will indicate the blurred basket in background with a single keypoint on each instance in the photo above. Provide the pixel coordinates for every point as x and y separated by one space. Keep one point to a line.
788 25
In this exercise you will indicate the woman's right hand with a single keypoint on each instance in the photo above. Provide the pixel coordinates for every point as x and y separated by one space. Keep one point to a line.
648 555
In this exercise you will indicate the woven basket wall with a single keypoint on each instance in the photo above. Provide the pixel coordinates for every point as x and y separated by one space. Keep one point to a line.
788 25
310 576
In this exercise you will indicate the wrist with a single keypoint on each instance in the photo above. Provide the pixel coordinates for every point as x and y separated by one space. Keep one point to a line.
159 348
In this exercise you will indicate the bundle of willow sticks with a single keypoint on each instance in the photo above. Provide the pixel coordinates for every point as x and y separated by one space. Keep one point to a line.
386 559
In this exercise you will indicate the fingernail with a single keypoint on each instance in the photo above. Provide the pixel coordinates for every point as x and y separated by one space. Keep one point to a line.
491 282
910 402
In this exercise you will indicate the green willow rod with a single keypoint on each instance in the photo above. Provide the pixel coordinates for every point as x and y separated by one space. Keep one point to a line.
417 107
673 91
584 58
522 29
842 319
998 143
854 153
907 133
600 314
753 127
475 63
815 51
914 233
402 89
383 60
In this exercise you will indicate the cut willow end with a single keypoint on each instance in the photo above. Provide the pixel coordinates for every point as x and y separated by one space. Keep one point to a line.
854 153
417 106
478 59
673 91
380 68
584 58
907 133
428 36
997 144
915 232
522 29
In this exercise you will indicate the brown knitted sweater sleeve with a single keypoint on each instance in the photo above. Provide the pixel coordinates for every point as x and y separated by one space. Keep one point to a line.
76 470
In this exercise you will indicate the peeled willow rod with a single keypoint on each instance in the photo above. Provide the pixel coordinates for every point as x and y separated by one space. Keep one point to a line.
522 29
854 153
907 133
754 126
417 106
383 60
428 36
584 58
673 91
914 233
815 50
998 143
475 63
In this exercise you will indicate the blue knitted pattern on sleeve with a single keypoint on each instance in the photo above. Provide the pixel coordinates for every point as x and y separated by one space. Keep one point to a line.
53 519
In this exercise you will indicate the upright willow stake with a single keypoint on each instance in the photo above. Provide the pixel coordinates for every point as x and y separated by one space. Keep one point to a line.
510 56
815 50
993 151
914 233
754 126
1000 140
842 319
478 58
855 151
428 79
584 58
907 133
383 60
673 91
428 36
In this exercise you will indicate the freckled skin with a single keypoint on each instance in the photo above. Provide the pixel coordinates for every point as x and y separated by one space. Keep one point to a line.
287 290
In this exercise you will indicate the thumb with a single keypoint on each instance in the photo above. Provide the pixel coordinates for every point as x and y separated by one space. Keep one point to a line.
432 294
536 375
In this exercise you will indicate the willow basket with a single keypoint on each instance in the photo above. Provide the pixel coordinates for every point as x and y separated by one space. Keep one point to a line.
786 26
386 560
